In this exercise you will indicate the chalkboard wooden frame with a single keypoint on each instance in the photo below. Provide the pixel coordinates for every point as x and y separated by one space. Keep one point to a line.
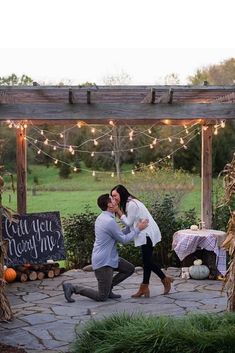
35 238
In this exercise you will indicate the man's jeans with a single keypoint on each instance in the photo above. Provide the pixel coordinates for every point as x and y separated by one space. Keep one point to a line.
106 281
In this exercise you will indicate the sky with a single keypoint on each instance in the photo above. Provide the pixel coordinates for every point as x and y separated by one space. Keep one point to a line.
75 41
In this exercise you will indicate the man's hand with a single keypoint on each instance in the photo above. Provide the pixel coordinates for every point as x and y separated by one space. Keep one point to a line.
142 224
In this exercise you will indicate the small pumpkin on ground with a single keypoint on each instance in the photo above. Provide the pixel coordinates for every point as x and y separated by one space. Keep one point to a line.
10 275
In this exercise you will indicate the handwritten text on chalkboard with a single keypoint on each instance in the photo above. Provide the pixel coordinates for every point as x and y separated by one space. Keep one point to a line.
35 238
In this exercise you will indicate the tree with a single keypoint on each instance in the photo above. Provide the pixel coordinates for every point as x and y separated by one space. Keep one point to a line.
119 79
122 78
14 80
172 79
218 74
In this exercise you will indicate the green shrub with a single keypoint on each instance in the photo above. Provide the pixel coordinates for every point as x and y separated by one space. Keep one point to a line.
124 333
165 214
79 238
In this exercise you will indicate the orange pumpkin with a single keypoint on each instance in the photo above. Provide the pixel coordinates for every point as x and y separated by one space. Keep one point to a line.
10 274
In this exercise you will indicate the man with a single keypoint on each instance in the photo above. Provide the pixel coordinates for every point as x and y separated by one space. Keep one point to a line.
105 257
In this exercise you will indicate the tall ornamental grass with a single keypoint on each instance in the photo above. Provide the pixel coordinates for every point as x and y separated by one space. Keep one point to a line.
124 333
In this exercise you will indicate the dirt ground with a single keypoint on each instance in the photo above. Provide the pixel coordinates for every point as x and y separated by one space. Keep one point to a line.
9 349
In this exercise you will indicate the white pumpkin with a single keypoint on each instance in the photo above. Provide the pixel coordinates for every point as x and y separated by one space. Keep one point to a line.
199 271
194 227
197 262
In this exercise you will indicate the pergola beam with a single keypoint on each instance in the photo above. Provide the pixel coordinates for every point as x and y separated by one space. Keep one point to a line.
98 113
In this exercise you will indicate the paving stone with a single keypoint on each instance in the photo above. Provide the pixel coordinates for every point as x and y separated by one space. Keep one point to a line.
35 319
25 340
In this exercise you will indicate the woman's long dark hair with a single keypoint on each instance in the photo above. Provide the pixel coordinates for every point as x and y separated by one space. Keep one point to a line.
124 194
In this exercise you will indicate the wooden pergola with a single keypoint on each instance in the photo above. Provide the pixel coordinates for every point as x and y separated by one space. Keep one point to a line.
135 105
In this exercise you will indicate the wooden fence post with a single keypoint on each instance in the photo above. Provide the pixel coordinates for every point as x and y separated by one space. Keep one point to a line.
206 176
21 165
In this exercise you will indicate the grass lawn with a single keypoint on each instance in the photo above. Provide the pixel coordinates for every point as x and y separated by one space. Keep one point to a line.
72 195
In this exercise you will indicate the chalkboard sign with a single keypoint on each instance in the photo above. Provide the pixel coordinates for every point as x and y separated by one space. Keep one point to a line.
35 238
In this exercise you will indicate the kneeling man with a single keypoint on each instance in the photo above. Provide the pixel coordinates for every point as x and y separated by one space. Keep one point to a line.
105 259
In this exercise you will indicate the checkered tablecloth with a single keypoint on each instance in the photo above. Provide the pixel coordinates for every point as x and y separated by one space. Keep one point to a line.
187 241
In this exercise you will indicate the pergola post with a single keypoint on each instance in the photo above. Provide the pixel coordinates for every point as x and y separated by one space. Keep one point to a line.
206 176
21 168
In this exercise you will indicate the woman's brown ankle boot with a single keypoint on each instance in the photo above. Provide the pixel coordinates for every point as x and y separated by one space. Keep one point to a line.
143 290
167 284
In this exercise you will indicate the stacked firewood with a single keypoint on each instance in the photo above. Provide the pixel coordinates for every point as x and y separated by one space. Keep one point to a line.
33 272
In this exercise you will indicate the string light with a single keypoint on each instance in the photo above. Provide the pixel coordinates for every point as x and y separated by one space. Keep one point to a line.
132 171
93 130
61 135
46 142
132 149
56 161
111 138
149 131
74 169
111 123
222 124
112 175
96 143
181 141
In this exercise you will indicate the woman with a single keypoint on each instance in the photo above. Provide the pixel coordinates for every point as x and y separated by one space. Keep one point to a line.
130 211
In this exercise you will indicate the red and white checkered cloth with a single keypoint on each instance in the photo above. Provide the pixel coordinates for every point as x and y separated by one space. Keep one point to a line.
186 242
